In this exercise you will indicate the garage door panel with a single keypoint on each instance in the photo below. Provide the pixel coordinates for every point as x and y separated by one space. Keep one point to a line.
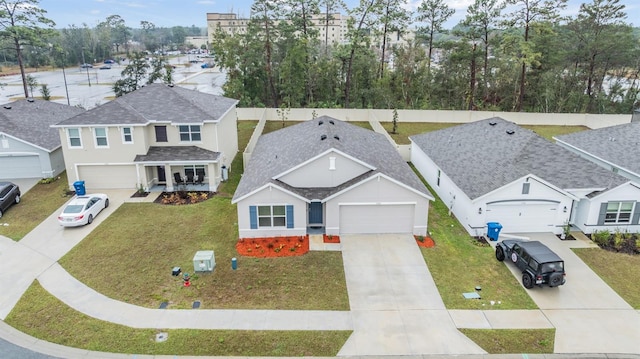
524 217
376 219
108 177
20 167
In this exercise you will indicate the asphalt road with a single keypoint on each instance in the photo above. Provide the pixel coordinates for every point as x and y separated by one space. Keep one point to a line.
9 350
89 88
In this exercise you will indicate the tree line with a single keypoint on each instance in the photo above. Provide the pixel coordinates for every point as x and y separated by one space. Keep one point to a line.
506 55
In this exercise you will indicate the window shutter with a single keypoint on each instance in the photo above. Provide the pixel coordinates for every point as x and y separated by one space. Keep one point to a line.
603 212
289 216
253 217
636 214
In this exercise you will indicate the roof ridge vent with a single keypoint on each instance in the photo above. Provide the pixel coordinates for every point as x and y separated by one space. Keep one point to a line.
320 122
170 85
8 107
30 99
331 122
492 123
510 132
336 137
323 137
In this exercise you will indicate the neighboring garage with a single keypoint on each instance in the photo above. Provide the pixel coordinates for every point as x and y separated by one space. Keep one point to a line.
20 166
524 216
108 177
376 218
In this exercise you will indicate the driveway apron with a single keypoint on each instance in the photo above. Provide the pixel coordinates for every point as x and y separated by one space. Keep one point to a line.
588 315
22 262
395 305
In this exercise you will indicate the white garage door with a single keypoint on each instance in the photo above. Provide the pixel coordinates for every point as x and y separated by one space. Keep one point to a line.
376 219
20 167
523 216
109 177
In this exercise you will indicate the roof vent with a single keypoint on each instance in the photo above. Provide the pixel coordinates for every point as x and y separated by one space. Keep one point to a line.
8 107
320 122
493 123
510 132
170 85
336 137
30 99
323 137
331 122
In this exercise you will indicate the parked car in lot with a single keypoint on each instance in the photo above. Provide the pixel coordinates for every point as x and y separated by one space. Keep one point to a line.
83 209
539 264
105 67
86 66
109 61
9 194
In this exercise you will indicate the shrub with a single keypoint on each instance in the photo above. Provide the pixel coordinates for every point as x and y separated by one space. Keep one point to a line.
601 237
618 239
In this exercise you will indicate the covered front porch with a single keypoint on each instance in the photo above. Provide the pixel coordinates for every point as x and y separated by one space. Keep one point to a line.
180 168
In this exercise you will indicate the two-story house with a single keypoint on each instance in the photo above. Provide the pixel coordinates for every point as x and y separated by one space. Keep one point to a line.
329 176
159 135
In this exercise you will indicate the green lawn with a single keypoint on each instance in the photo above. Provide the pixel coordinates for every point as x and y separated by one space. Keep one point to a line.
245 130
512 341
42 316
35 206
458 265
619 271
549 131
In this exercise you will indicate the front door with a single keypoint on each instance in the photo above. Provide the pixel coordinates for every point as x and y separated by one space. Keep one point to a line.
161 175
315 214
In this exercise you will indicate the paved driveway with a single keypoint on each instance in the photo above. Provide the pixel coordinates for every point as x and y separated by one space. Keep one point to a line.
395 305
588 315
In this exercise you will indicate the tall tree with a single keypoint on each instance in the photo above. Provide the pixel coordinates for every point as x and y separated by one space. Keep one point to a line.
329 8
22 23
433 13
598 29
525 15
481 21
395 18
133 75
264 16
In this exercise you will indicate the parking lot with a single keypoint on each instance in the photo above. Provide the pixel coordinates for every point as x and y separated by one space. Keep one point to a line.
91 87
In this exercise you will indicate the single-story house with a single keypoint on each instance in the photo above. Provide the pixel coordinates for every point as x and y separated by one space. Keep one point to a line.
29 148
496 171
615 148
157 136
329 176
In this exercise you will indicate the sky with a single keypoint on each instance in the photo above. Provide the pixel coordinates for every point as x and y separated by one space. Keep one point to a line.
169 13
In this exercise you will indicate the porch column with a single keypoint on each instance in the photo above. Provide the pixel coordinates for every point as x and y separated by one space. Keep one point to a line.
214 176
169 177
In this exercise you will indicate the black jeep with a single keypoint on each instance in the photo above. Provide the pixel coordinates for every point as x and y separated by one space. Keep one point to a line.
539 264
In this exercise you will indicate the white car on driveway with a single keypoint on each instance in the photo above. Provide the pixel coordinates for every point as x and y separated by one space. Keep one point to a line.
83 209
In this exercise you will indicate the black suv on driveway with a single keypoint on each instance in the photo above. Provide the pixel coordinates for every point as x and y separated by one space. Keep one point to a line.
539 264
9 194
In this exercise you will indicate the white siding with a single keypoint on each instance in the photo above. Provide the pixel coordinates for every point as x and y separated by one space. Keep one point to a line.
316 173
587 221
272 196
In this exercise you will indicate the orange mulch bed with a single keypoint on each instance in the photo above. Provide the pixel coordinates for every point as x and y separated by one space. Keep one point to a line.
271 247
332 238
423 241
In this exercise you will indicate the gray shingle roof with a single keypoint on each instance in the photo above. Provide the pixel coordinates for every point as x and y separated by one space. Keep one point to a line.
177 153
284 149
617 144
156 103
30 121
480 157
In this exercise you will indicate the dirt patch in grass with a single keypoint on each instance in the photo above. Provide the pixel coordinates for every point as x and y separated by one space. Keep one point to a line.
513 341
273 247
183 197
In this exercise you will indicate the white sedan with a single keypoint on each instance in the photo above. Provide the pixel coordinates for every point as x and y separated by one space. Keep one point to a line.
83 209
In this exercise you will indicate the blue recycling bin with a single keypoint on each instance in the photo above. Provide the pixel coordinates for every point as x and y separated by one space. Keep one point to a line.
79 187
234 263
493 230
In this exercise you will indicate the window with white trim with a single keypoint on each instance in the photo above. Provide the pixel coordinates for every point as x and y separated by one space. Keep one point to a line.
127 135
189 133
272 216
101 137
74 137
618 212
